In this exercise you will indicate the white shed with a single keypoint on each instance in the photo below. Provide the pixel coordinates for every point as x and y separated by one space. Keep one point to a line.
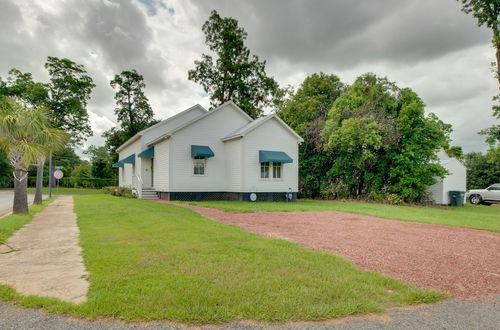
455 180
218 154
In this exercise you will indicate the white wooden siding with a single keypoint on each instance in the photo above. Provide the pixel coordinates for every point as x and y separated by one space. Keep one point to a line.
161 165
130 171
455 180
269 136
234 161
208 132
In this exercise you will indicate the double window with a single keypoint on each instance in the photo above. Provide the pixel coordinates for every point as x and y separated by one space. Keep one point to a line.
270 170
199 164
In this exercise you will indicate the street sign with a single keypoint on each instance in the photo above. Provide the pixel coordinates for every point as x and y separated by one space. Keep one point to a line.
58 167
58 174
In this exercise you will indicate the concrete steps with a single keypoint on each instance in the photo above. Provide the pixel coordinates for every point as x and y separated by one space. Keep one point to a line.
149 194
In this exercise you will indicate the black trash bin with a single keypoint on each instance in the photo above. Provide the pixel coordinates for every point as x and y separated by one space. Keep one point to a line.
457 197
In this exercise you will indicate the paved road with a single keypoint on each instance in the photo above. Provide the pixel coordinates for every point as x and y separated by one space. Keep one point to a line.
6 200
450 314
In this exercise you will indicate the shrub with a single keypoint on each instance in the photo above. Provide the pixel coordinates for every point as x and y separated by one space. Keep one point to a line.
120 191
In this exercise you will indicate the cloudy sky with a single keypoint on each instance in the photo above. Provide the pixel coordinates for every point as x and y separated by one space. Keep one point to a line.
427 45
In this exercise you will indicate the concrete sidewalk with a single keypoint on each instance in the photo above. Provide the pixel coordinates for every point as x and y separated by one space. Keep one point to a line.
47 258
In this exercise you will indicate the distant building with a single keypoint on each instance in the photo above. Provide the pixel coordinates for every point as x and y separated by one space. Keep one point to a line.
455 180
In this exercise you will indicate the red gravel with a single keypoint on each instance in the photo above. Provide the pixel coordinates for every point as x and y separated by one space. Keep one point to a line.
464 262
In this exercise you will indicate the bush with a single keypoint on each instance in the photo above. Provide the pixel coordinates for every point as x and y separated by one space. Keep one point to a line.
119 191
76 182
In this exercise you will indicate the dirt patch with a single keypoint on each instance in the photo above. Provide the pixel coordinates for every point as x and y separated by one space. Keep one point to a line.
46 258
464 262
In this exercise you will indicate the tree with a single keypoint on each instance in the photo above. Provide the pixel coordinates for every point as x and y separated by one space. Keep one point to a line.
83 170
21 86
487 12
101 162
483 170
234 74
69 91
305 111
382 141
25 135
132 108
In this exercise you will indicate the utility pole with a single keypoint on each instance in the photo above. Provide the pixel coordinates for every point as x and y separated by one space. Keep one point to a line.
50 175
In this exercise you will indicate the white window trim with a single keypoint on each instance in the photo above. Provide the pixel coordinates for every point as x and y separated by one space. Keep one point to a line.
270 178
204 159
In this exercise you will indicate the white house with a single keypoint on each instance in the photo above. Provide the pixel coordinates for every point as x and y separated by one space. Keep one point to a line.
209 155
455 180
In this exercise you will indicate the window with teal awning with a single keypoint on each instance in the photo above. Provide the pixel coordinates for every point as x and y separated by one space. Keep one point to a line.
201 151
274 157
149 152
129 160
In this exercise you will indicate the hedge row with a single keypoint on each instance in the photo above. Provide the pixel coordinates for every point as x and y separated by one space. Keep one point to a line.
76 182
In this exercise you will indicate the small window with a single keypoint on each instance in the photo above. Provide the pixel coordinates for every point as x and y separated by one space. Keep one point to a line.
199 166
276 170
264 170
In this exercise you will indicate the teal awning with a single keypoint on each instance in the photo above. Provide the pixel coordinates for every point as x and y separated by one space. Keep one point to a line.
201 151
129 160
149 152
118 164
274 156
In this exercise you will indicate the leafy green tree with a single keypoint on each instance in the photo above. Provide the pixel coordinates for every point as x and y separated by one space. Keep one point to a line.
25 136
132 108
305 111
69 92
456 152
83 170
487 12
483 170
21 86
101 162
414 160
382 141
233 74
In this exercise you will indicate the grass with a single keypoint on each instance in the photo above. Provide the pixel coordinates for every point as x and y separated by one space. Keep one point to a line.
11 223
471 216
151 261
68 191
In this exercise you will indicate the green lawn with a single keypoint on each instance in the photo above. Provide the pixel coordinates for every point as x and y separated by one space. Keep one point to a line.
69 191
152 261
472 216
11 223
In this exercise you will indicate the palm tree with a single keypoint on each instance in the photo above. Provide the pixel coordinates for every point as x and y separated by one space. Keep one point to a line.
26 136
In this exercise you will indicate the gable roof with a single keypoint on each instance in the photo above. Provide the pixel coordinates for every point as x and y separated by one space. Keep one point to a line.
139 134
256 123
195 120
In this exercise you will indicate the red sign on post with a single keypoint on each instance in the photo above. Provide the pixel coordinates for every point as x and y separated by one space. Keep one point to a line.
58 174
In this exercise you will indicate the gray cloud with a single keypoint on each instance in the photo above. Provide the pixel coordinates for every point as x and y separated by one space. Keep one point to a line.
427 45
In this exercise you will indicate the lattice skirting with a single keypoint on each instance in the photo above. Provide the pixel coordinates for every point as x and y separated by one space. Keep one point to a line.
226 196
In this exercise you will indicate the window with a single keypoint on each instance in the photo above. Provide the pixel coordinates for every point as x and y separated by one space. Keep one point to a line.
199 165
276 170
264 170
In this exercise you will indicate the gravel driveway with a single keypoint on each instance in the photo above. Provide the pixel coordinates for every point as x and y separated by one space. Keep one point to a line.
461 261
